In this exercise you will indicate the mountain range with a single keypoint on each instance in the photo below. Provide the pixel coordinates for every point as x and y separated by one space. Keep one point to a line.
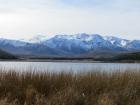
69 45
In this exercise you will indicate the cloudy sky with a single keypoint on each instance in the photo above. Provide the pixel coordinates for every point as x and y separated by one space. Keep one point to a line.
26 18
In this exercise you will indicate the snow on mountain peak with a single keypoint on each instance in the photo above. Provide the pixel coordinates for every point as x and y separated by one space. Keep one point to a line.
82 37
64 36
117 41
35 39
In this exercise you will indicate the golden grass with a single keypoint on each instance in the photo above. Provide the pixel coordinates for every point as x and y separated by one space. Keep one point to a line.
92 88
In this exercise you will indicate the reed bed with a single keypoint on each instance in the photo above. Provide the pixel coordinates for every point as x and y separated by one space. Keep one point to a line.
91 88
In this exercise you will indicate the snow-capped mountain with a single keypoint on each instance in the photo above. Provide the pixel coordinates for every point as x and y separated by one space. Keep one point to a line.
69 45
35 39
133 45
80 42
16 43
117 41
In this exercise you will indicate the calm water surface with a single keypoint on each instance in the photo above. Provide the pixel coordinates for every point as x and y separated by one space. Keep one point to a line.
67 66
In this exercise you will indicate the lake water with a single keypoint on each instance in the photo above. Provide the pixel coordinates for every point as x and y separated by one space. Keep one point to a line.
67 66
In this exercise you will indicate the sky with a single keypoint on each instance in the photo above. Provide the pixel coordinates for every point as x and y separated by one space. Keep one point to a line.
27 18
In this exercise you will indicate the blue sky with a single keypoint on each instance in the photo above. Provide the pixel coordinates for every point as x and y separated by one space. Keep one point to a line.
26 18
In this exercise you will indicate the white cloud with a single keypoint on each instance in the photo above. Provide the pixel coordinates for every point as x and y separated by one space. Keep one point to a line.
25 18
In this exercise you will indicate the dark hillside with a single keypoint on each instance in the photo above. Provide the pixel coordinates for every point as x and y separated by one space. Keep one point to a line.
5 55
128 56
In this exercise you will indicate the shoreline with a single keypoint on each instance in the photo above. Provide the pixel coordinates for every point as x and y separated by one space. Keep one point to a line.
66 61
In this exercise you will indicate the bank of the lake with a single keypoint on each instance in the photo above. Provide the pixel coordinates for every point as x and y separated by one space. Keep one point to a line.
88 88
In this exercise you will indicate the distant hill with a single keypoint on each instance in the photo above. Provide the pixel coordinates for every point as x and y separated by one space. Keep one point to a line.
114 57
5 55
127 57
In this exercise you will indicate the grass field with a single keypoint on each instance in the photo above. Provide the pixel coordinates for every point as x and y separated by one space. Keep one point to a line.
92 88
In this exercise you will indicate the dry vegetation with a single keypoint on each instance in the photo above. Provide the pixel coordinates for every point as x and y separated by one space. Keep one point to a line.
94 88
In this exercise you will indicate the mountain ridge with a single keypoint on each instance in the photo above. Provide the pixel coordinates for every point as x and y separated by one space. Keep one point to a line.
69 45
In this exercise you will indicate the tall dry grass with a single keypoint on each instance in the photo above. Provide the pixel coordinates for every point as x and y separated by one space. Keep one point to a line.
92 88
